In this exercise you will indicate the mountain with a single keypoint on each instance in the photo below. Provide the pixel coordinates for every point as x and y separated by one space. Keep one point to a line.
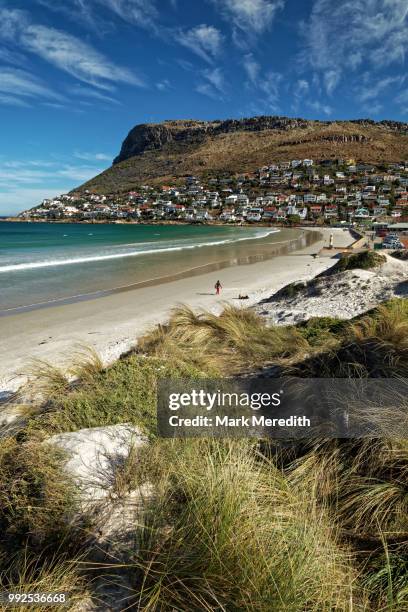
166 152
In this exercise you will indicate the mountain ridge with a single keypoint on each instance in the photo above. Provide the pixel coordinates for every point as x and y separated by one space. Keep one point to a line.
168 151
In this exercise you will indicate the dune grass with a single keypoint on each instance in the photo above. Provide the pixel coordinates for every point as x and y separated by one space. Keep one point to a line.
36 573
34 498
232 525
195 345
365 260
363 484
122 393
43 532
227 531
236 339
374 345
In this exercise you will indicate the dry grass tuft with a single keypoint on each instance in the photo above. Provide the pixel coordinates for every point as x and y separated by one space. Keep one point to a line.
32 573
86 364
375 345
235 339
45 381
37 501
227 531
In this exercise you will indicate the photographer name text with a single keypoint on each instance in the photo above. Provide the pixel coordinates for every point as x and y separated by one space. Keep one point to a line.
242 421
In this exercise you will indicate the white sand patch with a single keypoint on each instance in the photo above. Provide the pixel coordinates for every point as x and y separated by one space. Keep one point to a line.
94 455
343 295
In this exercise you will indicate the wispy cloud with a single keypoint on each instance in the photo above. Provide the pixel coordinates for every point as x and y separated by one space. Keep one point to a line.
79 173
372 89
140 12
320 107
265 86
270 87
331 80
213 84
252 68
303 97
343 35
77 58
13 101
302 87
163 85
11 57
249 16
374 108
15 199
25 183
80 11
88 13
300 90
66 52
21 176
92 157
204 40
87 92
403 97
19 87
31 174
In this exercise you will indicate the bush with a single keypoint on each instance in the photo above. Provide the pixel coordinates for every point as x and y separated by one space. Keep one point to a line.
320 331
366 260
289 291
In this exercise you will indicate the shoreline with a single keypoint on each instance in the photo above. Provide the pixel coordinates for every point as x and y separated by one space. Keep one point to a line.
215 222
112 324
276 249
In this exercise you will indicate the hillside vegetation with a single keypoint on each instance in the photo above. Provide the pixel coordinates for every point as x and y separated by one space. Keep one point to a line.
166 152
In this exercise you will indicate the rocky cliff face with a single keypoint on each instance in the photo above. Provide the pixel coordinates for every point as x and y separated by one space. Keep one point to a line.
150 137
147 137
167 152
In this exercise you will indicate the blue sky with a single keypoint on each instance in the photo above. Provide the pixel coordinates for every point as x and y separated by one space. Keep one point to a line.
75 76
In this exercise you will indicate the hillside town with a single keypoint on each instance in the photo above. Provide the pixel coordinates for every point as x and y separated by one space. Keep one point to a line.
297 191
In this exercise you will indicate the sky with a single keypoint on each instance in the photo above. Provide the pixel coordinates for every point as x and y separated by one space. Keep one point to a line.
77 75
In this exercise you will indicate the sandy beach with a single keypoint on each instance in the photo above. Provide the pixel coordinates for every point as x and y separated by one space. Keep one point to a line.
112 324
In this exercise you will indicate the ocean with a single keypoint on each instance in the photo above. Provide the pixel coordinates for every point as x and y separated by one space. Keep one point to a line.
46 263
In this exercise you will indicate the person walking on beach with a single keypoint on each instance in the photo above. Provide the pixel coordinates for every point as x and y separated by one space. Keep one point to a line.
218 287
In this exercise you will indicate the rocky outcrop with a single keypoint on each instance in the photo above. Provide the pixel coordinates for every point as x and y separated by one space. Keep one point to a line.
148 137
334 138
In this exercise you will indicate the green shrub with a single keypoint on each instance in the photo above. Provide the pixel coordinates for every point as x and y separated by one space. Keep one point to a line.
123 393
403 254
366 260
321 330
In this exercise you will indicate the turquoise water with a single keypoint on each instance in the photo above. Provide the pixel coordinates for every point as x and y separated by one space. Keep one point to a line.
42 262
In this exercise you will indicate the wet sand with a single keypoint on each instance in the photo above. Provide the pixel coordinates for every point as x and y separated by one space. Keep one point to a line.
112 322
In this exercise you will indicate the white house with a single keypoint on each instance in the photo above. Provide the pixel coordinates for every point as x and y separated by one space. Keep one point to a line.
231 199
